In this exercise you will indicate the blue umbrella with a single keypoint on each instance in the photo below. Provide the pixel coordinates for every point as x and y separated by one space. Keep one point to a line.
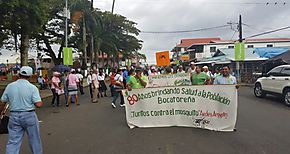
61 68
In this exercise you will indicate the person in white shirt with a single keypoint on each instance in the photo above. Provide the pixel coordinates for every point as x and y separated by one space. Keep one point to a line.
102 84
118 86
207 71
225 78
95 86
180 69
80 77
153 71
89 82
192 68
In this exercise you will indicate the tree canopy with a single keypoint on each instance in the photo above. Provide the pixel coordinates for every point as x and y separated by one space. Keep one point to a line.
43 21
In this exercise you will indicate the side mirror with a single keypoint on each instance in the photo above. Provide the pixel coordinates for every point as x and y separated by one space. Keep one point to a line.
267 74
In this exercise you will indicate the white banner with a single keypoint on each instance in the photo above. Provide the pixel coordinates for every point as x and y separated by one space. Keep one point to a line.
179 79
212 107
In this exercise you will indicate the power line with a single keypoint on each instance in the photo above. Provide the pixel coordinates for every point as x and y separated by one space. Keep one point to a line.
204 2
183 31
268 32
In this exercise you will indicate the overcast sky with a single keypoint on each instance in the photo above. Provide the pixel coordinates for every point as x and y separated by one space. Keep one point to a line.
175 15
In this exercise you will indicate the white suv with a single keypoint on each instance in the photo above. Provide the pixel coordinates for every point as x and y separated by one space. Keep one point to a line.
275 82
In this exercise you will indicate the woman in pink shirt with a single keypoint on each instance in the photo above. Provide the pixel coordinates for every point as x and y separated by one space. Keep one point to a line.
72 81
55 87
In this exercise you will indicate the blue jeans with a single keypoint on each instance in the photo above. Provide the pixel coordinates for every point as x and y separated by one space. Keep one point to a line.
19 123
116 95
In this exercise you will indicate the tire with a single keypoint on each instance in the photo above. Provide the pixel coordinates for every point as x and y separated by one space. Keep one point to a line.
286 97
258 91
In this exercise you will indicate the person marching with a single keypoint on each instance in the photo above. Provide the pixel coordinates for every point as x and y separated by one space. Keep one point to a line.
22 113
225 77
117 89
55 87
72 87
90 83
112 81
199 78
137 81
192 68
95 86
102 84
80 78
180 69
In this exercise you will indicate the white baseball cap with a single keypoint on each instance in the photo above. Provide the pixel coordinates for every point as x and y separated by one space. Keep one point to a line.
26 71
204 67
72 70
192 63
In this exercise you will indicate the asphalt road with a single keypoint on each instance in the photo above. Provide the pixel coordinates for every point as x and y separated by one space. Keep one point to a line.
263 127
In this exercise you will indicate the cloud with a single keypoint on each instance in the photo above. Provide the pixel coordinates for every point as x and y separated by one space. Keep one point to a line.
171 15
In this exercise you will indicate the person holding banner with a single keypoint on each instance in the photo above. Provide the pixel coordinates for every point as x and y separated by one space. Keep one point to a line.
199 78
226 77
137 81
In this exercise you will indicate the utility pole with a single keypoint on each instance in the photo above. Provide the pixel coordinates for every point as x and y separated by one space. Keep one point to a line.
84 43
240 40
92 56
115 57
66 13
113 6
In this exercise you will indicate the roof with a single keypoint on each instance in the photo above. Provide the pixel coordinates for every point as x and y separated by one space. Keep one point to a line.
250 55
227 55
270 52
261 40
190 42
284 57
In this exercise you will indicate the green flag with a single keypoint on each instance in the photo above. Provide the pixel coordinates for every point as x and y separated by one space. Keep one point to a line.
67 56
240 51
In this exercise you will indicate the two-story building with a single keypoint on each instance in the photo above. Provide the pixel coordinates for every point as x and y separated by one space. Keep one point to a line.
200 48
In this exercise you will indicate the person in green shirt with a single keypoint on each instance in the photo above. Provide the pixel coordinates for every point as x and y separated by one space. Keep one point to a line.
137 81
199 78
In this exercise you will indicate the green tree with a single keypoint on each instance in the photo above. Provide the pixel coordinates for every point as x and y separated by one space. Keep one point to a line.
23 17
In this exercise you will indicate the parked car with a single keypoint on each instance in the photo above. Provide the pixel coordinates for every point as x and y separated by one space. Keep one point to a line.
275 82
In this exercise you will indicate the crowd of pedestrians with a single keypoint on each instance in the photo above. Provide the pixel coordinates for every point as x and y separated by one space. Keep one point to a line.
23 103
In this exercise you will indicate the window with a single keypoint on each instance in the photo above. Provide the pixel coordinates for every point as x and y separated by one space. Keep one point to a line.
250 46
212 49
275 71
285 71
231 47
269 45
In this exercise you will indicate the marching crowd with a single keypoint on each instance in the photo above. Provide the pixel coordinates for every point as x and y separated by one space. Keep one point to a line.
69 83
22 103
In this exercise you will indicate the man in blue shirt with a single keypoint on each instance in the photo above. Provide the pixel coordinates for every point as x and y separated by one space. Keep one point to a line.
22 98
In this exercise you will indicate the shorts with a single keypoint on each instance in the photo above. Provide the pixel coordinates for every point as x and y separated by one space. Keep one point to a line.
72 90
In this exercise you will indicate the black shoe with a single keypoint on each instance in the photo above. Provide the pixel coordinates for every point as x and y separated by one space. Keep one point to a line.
98 96
106 95
66 105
